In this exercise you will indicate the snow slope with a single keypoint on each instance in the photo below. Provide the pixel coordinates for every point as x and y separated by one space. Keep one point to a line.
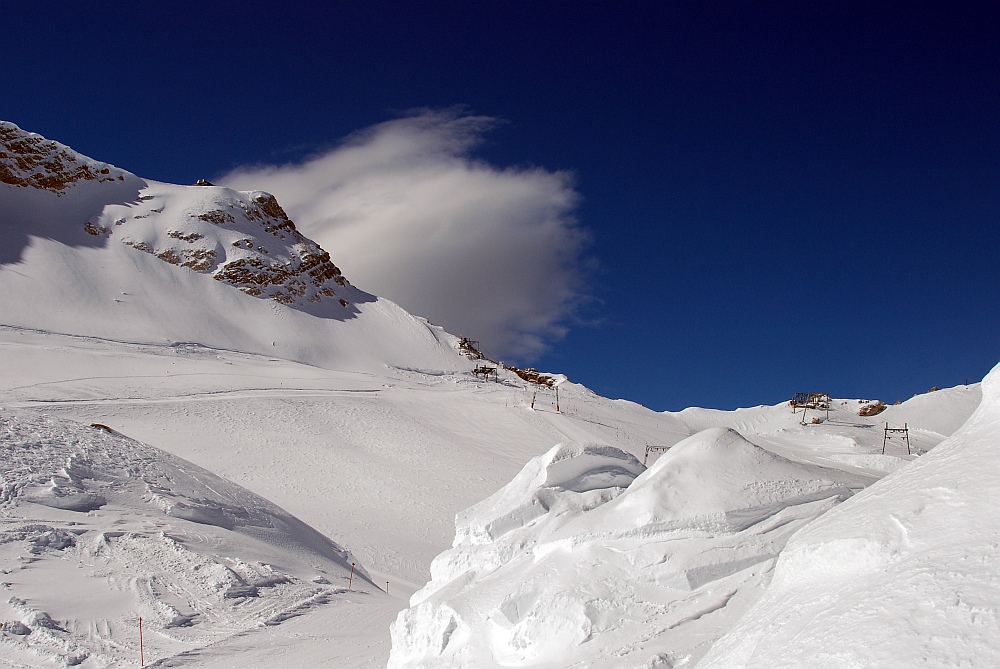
381 463
905 574
125 259
97 530
364 422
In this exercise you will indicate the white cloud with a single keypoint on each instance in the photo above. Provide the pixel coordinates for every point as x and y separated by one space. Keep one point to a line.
406 212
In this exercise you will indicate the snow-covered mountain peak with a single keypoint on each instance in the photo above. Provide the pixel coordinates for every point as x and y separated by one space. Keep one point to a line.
244 239
90 250
28 160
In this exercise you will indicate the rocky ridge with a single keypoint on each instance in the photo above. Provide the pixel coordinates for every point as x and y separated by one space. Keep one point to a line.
28 160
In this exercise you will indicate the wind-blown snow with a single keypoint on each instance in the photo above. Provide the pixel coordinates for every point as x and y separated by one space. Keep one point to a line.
97 530
906 574
567 564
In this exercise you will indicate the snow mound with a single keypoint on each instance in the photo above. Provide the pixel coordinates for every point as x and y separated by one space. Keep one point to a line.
132 531
592 472
565 566
905 574
567 480
718 481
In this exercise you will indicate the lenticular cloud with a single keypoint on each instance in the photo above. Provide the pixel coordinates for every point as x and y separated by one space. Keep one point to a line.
489 253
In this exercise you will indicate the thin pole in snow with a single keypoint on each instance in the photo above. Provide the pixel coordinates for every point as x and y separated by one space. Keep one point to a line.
557 399
142 654
387 587
533 400
351 581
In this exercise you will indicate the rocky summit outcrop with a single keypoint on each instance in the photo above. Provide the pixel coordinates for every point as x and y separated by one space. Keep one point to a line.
28 160
244 239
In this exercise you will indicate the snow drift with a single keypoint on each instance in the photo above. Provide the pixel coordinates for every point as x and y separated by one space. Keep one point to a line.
904 575
97 530
566 564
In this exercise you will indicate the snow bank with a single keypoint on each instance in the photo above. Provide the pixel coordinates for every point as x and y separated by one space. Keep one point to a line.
541 488
564 566
568 480
904 575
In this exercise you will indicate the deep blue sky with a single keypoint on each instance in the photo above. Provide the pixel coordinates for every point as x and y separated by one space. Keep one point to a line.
783 196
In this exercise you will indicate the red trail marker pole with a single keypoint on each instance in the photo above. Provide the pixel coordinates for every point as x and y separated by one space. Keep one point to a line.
142 655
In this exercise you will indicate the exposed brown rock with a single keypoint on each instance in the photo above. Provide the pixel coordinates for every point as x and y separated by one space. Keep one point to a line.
190 238
200 260
31 161
96 230
269 207
532 375
470 349
872 408
169 256
217 216
141 246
